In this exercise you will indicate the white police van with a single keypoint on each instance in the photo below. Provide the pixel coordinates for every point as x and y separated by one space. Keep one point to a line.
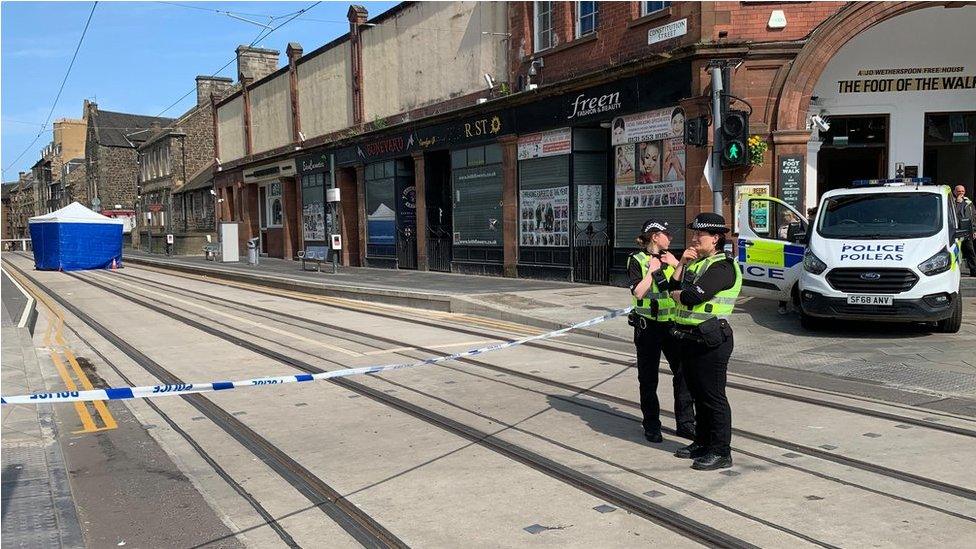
883 250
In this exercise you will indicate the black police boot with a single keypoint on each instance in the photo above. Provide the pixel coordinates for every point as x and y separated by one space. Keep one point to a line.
692 451
686 431
711 462
653 436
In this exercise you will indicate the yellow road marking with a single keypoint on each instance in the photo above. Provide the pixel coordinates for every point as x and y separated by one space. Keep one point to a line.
86 419
237 318
100 407
55 325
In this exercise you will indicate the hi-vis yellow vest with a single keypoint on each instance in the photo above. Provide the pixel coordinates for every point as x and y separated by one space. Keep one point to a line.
720 306
665 305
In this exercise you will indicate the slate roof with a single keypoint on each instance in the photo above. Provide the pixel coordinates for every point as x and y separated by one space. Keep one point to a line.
119 129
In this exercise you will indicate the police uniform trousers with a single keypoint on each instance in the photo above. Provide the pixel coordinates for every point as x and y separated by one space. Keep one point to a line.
705 371
650 343
969 255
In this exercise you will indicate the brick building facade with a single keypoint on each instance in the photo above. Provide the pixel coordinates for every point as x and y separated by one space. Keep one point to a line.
579 83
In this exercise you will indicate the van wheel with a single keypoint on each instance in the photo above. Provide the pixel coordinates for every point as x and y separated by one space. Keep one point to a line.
808 322
952 324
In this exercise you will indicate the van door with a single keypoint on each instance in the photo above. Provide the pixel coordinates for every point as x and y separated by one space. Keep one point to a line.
770 247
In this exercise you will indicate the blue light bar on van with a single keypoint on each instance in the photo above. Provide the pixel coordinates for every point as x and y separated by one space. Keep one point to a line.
897 182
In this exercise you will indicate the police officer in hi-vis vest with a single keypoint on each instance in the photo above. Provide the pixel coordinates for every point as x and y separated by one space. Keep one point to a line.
650 271
710 282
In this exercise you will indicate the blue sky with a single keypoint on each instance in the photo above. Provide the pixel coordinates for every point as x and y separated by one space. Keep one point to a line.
137 57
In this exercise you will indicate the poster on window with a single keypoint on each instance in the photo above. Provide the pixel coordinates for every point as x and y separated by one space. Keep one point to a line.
648 126
544 217
653 195
624 172
589 203
313 221
542 144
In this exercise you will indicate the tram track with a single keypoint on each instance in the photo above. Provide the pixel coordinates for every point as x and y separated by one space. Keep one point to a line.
628 501
587 353
840 459
360 526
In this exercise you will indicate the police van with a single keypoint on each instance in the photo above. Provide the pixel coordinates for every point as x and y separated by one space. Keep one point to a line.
882 250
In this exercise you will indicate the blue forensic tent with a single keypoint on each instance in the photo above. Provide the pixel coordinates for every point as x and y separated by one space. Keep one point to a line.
75 238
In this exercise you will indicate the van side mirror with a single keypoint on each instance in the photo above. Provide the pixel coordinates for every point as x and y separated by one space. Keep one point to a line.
795 232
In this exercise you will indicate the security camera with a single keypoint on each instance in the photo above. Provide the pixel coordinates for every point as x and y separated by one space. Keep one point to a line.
217 160
490 81
301 136
820 123
213 192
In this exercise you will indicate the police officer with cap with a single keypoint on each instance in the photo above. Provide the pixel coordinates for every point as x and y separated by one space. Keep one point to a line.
650 270
709 285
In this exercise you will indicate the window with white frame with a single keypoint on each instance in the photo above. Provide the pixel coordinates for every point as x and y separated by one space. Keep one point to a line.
648 8
586 18
544 36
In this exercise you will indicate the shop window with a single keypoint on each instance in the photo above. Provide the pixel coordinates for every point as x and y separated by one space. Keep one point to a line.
477 196
314 216
856 131
648 8
544 35
950 149
586 18
380 209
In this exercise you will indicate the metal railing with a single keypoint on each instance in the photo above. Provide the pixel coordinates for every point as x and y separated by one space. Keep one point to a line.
591 257
11 244
439 249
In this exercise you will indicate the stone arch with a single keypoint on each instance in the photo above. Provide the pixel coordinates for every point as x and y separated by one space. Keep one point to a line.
825 41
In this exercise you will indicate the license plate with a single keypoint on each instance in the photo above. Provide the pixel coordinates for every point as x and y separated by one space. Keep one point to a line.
869 300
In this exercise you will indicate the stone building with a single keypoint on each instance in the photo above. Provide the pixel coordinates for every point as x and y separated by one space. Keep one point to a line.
111 159
546 167
6 225
68 144
169 160
22 200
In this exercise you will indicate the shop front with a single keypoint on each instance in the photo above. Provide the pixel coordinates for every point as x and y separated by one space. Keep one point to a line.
593 164
463 193
315 176
874 116
272 192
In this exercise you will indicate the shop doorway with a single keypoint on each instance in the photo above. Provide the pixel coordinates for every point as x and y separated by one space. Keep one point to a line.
950 149
592 249
391 214
437 166
855 147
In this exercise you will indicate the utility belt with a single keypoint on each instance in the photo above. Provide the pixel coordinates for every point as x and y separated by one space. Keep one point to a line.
710 333
642 322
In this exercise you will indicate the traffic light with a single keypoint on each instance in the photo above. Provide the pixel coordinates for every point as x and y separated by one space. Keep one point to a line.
735 135
696 131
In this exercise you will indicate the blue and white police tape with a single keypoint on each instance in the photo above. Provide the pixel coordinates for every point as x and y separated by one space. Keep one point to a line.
148 391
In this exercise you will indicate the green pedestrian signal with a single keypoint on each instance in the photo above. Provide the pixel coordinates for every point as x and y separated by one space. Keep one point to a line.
733 151
735 134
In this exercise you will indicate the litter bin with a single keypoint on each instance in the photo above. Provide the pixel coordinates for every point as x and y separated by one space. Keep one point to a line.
252 251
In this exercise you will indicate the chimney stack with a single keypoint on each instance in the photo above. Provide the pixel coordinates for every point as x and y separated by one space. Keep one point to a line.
256 63
218 86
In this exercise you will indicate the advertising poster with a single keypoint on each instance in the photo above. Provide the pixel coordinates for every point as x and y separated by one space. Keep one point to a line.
542 144
544 217
653 195
589 203
313 221
648 126
649 158
624 172
741 191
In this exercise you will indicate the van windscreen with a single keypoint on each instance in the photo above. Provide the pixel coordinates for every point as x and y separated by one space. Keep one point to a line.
881 216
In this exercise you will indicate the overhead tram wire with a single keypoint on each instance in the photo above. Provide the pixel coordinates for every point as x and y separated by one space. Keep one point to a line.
261 36
60 89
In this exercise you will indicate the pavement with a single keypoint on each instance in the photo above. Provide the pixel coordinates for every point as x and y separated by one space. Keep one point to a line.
38 510
939 368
